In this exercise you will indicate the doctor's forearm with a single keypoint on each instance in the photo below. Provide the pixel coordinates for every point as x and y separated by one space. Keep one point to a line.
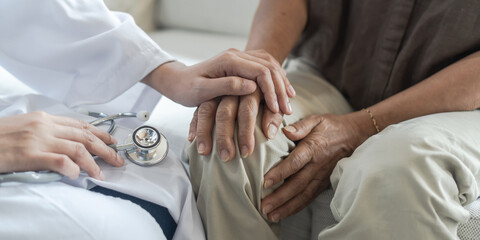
455 88
277 25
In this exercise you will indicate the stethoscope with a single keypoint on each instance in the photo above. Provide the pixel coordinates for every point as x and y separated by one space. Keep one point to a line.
145 146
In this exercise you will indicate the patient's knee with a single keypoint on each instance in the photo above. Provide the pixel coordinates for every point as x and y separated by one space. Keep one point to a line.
401 153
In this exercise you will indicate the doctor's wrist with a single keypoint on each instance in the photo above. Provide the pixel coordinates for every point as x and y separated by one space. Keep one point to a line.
163 77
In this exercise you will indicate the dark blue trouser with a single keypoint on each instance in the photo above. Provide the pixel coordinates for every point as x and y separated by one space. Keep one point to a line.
159 213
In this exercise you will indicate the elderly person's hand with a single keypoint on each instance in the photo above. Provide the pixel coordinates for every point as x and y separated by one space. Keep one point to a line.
40 141
232 72
323 141
224 112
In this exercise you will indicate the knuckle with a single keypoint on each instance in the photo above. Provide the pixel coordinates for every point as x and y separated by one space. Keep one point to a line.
79 150
221 137
307 195
84 125
296 163
225 114
261 51
265 71
206 109
248 109
37 124
229 54
235 83
203 132
59 162
111 154
88 137
40 114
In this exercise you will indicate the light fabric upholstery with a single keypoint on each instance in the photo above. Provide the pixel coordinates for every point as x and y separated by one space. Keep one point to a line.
227 17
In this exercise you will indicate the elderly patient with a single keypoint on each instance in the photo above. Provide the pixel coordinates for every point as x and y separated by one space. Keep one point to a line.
81 53
384 113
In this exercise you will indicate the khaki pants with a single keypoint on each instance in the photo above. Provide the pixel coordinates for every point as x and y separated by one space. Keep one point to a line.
408 182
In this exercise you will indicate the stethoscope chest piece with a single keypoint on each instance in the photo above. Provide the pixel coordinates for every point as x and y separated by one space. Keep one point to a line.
151 146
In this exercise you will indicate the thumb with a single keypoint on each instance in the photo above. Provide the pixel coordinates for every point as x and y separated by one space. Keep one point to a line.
302 128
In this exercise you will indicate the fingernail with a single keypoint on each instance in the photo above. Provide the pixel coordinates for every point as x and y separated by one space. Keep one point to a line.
114 141
289 108
244 151
190 136
292 90
267 209
275 217
276 105
268 183
224 155
101 176
291 129
272 131
201 148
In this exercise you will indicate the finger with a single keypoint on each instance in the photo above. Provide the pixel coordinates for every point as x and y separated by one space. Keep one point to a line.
38 161
209 88
247 116
302 128
225 128
298 158
79 154
288 190
265 55
91 142
70 122
60 163
296 202
192 131
271 123
234 65
290 90
277 74
277 68
205 122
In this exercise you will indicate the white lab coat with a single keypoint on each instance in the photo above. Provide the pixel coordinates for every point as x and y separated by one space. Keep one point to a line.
75 53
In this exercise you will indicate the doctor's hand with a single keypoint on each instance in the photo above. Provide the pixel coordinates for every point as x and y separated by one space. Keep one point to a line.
305 173
40 141
233 72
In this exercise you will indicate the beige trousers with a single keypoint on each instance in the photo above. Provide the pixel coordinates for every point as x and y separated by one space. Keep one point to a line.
408 182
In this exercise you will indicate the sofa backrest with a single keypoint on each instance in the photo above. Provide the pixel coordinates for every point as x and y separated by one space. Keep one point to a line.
222 16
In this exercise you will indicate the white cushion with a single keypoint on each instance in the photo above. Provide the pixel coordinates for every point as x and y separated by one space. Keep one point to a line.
191 47
223 16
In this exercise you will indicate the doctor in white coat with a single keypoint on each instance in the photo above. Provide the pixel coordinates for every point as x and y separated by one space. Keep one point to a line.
75 53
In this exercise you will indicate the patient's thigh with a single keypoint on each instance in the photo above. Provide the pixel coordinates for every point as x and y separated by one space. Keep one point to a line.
60 211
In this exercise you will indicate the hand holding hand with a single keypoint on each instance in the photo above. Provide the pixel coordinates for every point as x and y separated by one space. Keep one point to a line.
224 112
231 73
39 141
324 140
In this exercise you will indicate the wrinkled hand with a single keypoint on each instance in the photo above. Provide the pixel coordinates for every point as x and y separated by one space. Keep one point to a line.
324 140
230 73
39 141
224 113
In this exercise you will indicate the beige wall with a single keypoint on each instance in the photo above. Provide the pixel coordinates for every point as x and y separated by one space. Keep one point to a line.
141 10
